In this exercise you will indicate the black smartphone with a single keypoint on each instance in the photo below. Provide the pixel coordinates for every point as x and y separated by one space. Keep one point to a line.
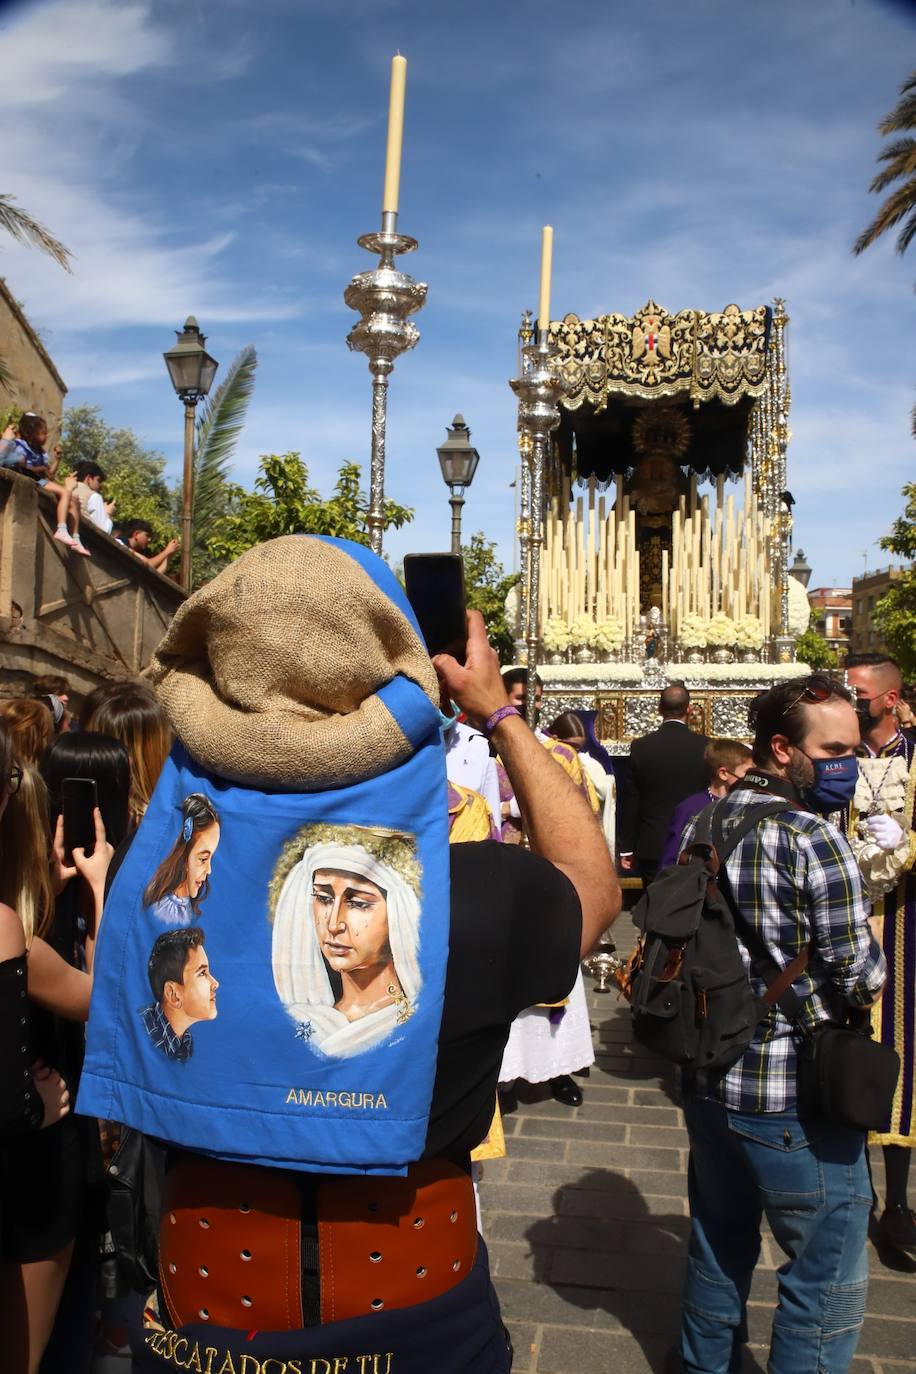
78 796
435 590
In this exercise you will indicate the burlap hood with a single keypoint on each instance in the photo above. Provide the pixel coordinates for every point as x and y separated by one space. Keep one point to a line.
269 673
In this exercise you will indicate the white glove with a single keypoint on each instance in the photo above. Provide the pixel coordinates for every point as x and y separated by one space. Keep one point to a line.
885 831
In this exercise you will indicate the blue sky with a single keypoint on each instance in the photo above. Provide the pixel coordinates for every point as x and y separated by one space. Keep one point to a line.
220 158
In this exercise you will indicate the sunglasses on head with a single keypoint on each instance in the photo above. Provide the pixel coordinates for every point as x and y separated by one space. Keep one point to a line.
817 689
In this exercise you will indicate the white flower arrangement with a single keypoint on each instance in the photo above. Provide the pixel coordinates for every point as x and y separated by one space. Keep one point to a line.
556 637
721 631
799 608
609 634
749 632
694 631
583 631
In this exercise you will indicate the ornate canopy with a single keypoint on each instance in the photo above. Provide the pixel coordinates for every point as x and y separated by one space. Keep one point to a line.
704 357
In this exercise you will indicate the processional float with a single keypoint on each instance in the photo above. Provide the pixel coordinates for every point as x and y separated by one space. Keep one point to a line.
632 574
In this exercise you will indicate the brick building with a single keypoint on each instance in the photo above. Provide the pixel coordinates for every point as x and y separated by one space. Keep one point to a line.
831 616
867 591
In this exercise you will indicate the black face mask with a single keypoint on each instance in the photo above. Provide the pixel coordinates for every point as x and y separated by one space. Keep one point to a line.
867 721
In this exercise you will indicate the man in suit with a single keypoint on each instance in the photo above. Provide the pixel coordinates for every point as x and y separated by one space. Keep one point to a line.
666 766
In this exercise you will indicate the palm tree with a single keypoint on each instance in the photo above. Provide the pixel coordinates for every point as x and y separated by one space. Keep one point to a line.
219 425
21 226
899 158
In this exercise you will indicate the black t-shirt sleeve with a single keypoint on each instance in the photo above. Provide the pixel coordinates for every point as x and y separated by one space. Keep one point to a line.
545 930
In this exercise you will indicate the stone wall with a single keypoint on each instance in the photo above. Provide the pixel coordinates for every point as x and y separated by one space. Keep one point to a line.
36 383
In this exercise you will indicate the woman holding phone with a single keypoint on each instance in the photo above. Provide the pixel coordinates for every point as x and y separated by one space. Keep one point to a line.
41 1174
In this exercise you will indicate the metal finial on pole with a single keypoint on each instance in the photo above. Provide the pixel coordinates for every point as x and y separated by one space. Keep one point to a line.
385 299
538 388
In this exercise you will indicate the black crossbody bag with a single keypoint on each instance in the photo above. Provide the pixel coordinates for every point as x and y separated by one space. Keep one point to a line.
843 1073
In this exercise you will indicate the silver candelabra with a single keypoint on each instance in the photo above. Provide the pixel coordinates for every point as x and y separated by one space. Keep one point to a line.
538 387
385 299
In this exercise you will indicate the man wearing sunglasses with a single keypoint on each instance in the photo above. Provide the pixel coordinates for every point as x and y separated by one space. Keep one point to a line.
882 831
754 1148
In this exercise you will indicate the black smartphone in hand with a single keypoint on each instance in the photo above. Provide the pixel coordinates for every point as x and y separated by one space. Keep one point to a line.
79 802
435 590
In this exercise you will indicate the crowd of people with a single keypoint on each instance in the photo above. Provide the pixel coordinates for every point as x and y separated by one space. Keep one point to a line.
282 736
79 496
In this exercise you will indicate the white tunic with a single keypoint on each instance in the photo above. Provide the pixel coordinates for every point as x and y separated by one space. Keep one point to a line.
469 764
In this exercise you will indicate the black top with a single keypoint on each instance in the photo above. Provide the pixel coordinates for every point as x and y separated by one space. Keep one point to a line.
21 1107
665 767
516 928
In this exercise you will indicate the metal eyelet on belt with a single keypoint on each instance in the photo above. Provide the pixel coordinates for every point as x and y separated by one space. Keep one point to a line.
204 1314
375 1256
245 1254
203 1271
173 1219
453 1216
376 1304
421 1272
246 1302
202 1221
418 1222
456 1265
244 1206
173 1268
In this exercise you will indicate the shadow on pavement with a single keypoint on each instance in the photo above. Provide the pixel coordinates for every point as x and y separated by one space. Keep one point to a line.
637 1279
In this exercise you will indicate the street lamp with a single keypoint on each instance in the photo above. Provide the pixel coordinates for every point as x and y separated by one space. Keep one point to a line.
800 569
458 460
191 370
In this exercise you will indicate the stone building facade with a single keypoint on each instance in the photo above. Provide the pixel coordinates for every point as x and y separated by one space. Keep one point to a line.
36 383
867 591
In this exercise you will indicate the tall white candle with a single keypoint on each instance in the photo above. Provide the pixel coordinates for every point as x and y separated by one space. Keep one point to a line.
391 193
546 271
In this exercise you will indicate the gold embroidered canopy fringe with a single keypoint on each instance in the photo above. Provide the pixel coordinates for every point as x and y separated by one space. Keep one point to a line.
707 356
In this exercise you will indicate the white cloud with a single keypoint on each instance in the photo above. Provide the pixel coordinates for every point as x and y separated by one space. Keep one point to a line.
68 158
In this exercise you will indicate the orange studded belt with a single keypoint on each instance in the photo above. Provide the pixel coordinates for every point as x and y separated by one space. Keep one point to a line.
230 1242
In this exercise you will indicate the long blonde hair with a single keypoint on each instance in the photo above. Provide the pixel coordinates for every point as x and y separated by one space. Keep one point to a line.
129 712
31 727
25 849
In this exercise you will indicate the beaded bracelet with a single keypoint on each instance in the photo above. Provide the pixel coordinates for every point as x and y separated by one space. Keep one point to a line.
491 723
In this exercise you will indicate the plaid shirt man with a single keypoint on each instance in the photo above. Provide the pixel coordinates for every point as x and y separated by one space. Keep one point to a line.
795 880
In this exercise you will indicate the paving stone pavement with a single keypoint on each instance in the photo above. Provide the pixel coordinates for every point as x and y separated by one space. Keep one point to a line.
586 1223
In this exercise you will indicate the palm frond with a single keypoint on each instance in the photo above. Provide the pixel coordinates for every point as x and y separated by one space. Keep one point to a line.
218 429
903 115
28 230
6 377
901 159
897 206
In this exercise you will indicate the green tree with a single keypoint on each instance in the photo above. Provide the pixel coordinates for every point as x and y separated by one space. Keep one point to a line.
895 613
284 502
810 648
899 159
20 225
219 425
135 476
486 586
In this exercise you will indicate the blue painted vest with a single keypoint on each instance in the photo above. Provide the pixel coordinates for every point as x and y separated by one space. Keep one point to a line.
270 968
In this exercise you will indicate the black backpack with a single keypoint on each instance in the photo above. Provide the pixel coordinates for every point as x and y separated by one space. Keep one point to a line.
690 997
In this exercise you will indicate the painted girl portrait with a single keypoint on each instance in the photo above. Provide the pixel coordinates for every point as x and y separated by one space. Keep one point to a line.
182 880
345 906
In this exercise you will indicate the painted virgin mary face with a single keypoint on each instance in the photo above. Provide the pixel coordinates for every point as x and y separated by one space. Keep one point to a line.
351 920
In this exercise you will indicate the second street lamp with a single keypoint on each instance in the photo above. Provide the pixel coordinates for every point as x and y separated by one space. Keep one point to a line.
191 370
458 461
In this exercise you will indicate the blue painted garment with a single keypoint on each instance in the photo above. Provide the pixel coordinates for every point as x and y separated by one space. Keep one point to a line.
270 969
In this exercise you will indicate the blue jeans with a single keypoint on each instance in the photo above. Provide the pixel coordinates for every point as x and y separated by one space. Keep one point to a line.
810 1178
